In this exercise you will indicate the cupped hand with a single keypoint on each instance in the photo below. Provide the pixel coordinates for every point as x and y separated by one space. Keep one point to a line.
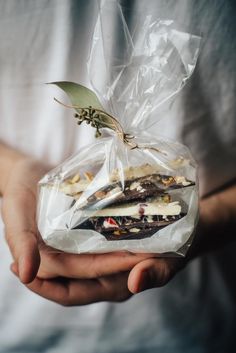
19 215
64 278
81 279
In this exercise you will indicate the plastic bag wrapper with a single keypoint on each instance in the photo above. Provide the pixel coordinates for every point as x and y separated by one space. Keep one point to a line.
109 196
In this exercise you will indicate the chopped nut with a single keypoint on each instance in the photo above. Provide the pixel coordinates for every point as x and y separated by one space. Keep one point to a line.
179 162
72 189
167 181
134 185
114 175
166 198
182 180
77 195
89 176
75 179
116 232
134 230
140 188
150 219
114 191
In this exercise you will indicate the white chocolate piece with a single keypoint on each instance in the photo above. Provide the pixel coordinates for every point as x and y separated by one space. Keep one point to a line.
129 173
146 209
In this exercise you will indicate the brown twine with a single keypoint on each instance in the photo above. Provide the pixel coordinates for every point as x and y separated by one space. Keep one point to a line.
92 116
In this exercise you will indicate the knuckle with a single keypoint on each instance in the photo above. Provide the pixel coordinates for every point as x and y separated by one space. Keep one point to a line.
94 270
164 275
168 269
159 275
65 302
120 298
120 295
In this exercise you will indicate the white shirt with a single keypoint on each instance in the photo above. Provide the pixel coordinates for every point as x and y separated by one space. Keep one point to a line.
47 41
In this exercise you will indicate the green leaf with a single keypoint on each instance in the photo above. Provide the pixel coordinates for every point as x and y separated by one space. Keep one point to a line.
82 99
79 95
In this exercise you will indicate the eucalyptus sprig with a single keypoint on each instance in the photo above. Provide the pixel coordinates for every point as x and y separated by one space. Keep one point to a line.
88 108
96 118
91 116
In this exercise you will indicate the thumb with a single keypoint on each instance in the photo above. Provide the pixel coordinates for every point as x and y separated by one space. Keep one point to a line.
21 233
154 272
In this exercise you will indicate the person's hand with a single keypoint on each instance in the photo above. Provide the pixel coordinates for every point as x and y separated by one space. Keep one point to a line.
81 279
65 278
19 215
89 278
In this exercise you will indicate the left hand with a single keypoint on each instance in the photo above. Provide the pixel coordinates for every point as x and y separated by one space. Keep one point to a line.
63 278
70 279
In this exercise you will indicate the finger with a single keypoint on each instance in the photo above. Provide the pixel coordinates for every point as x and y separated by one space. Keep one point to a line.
69 292
86 266
153 273
21 234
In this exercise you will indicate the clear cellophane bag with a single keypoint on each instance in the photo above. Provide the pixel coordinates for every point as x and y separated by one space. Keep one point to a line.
140 196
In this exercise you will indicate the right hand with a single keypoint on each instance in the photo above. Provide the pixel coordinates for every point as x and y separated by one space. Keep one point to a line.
19 215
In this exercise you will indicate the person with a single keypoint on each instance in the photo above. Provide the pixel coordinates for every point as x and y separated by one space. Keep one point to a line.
183 315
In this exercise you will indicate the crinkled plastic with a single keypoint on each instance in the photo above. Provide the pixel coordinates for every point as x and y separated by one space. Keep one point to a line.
109 197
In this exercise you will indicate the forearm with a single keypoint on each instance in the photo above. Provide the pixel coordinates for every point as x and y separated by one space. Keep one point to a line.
8 158
217 222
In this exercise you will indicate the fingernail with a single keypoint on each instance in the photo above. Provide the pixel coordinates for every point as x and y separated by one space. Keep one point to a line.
144 282
14 268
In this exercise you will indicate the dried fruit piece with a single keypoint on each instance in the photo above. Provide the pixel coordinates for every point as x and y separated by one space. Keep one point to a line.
110 223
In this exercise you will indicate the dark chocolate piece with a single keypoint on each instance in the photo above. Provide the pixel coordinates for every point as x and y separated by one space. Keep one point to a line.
129 227
137 189
140 189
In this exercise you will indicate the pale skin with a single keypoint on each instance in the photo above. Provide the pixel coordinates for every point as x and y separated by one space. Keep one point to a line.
70 279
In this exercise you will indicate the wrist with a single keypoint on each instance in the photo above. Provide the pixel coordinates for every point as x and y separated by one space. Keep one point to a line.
8 158
217 222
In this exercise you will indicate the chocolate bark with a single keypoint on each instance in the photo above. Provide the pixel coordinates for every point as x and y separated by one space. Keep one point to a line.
130 227
137 189
142 189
